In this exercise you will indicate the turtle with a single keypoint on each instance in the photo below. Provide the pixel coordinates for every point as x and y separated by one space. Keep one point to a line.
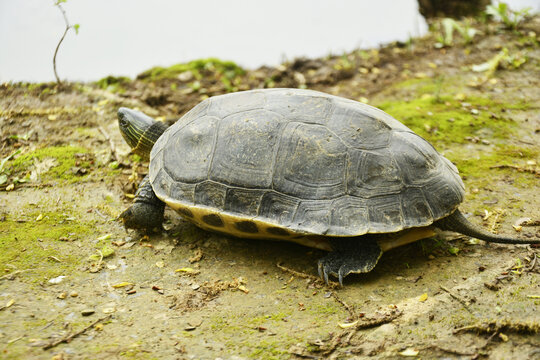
298 165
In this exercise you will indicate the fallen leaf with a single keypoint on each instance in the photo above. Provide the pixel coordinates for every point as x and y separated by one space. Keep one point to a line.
9 303
57 280
409 352
423 297
104 237
122 284
187 270
39 217
348 325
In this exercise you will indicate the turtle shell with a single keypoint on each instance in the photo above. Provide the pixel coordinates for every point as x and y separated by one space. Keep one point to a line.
277 163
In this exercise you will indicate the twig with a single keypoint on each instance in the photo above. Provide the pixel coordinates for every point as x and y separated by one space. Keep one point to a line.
463 302
533 263
26 185
331 284
68 338
336 340
504 325
450 351
349 309
376 322
114 155
11 275
520 169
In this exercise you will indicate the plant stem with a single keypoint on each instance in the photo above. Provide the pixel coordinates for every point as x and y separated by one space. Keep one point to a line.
60 42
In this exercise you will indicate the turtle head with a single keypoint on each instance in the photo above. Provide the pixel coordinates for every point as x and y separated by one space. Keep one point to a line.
139 130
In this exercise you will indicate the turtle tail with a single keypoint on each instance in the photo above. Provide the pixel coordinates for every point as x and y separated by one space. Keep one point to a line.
458 223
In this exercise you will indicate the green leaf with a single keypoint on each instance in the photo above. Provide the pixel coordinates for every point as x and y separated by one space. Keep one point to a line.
453 250
6 159
3 179
76 28
107 251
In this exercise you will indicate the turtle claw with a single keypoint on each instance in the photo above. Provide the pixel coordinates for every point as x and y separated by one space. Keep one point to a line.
351 256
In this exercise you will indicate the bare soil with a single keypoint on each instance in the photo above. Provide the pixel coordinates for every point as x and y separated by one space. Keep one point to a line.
76 285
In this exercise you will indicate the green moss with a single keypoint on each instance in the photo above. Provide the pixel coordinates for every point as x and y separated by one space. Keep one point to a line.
325 308
268 350
443 120
228 68
113 83
279 316
432 86
32 242
227 72
65 159
475 168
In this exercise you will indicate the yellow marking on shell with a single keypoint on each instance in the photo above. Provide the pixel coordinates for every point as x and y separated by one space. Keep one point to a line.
229 227
321 242
405 237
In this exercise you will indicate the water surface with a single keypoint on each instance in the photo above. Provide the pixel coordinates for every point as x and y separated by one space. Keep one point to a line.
125 37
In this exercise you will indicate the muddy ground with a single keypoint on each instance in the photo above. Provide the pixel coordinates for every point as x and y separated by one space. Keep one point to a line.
76 285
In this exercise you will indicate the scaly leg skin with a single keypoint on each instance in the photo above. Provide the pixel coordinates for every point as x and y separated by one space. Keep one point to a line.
350 255
147 210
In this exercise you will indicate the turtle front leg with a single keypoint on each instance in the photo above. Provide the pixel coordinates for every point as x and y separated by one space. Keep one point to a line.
147 210
350 255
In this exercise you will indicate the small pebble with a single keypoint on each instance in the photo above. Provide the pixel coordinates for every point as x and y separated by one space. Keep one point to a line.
195 286
87 312
62 296
73 294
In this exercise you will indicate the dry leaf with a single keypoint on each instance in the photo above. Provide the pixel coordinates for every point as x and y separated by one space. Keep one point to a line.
122 284
409 352
423 297
348 325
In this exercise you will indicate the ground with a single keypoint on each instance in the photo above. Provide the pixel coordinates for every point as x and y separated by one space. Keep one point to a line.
69 268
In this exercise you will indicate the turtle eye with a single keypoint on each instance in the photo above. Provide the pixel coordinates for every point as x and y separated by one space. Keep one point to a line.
123 122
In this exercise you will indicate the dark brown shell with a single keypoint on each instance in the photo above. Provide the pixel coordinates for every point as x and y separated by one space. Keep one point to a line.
304 161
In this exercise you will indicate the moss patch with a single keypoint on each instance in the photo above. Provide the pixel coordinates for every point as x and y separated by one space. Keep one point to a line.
474 168
443 120
228 68
227 72
64 161
40 241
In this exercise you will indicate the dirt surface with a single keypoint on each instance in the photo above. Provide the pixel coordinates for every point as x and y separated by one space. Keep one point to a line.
76 285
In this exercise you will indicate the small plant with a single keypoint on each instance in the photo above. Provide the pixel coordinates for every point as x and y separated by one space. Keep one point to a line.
502 60
446 38
3 171
58 3
510 18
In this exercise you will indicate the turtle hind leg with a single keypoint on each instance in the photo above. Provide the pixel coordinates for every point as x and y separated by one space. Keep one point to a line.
350 255
147 210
